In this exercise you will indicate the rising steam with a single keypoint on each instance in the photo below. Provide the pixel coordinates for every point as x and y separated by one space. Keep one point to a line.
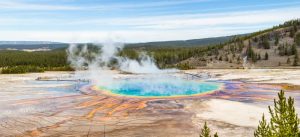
104 57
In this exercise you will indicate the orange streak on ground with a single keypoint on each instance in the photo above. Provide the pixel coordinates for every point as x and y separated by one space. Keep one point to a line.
35 133
37 101
87 105
92 113
39 131
291 87
104 118
27 102
128 106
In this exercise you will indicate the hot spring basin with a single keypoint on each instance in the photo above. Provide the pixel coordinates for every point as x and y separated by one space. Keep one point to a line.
159 88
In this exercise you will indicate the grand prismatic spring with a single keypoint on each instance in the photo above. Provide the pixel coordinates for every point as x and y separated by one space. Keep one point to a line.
159 88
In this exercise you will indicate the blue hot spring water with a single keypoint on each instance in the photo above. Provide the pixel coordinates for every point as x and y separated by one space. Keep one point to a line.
160 88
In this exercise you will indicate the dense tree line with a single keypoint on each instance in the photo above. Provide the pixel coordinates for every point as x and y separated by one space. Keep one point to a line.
22 62
57 58
21 69
171 57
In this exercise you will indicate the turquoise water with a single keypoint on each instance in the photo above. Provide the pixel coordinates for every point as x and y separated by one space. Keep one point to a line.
160 88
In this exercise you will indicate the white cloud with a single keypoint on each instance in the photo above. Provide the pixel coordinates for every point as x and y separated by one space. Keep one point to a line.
184 21
145 4
198 20
17 5
155 28
10 5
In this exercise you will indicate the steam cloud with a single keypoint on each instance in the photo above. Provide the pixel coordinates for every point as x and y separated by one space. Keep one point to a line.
100 63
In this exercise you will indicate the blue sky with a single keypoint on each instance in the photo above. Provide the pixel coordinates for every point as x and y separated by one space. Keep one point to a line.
138 20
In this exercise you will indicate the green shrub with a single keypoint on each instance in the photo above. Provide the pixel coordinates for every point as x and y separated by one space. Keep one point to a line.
184 66
21 69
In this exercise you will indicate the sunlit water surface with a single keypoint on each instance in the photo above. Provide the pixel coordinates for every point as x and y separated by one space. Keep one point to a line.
160 88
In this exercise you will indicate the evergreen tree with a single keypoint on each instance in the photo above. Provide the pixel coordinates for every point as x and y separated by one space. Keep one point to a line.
276 39
284 120
254 58
226 58
240 47
255 39
220 58
250 53
205 131
281 50
285 51
238 59
263 129
292 33
295 28
266 44
293 49
257 57
288 61
266 56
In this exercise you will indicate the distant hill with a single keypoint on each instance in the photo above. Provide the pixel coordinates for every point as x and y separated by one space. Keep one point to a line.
183 43
26 42
30 45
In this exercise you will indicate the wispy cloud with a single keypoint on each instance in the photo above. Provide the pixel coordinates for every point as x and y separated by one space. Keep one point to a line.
155 28
18 5
146 4
80 21
245 7
186 21
13 5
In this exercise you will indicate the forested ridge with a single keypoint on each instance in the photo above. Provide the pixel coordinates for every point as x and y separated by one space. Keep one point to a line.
275 47
22 61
